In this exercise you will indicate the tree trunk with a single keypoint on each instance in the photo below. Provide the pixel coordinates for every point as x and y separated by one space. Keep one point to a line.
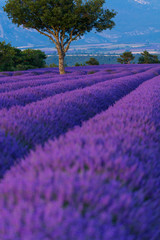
61 63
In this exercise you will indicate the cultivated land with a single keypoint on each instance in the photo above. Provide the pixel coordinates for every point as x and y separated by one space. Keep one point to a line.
80 153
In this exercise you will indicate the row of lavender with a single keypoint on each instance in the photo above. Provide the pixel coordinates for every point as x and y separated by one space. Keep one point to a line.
38 90
100 181
43 73
22 128
74 70
41 81
71 72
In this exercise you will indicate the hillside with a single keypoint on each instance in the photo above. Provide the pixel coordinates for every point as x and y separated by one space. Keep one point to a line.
136 22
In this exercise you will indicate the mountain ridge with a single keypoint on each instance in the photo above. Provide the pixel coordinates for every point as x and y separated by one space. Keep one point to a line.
137 21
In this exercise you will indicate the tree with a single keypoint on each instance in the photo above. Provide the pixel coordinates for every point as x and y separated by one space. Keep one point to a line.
146 57
62 21
52 65
92 61
35 58
7 55
12 58
125 58
79 64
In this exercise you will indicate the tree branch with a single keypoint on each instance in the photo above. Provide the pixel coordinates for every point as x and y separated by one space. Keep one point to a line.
69 42
70 37
51 32
62 35
47 36
56 31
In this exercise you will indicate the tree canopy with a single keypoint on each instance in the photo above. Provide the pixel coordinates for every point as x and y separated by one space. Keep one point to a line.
7 56
62 21
125 58
146 57
12 59
92 61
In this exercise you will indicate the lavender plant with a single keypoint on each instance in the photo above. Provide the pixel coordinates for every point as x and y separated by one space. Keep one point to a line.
25 95
99 181
39 121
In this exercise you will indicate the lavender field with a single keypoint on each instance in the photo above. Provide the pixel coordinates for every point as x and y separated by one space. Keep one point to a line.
80 153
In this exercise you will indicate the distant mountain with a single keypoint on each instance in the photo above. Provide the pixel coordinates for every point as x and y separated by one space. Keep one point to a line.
137 21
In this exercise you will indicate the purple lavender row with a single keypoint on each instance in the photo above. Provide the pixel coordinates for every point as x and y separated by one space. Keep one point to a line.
41 76
6 87
88 68
37 122
29 76
52 74
33 72
32 81
113 71
111 66
25 78
20 76
27 95
97 182
42 81
13 74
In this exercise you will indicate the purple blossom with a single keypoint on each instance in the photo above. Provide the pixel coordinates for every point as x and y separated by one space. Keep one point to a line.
98 181
30 94
37 122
